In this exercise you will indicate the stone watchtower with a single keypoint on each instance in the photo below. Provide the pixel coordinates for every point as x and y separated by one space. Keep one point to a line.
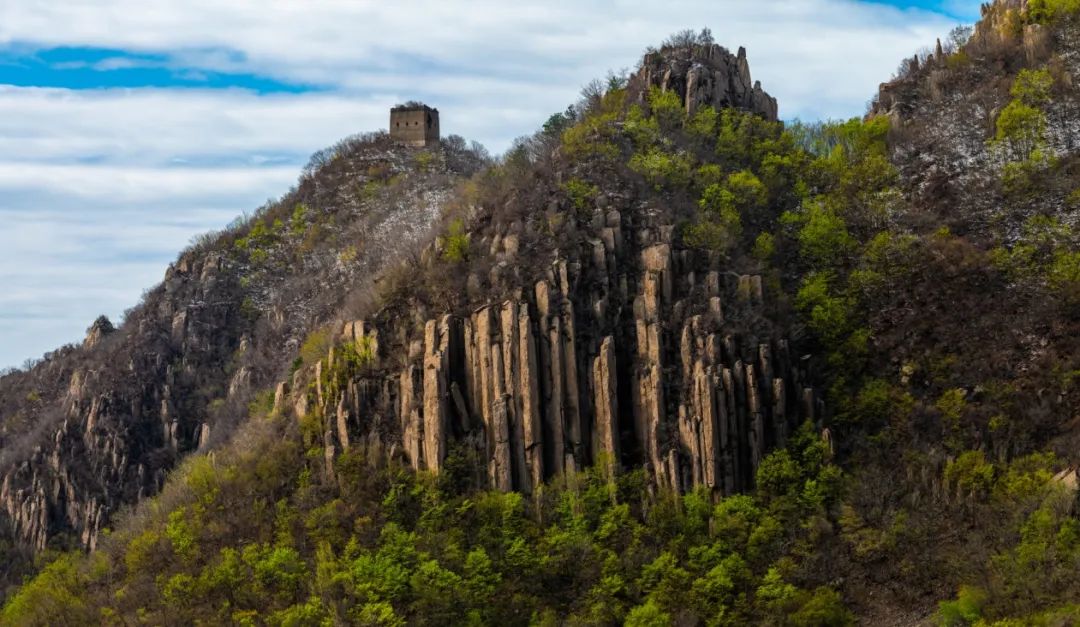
414 124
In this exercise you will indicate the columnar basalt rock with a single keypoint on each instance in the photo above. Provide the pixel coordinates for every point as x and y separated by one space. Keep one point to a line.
409 414
605 391
551 379
437 347
529 387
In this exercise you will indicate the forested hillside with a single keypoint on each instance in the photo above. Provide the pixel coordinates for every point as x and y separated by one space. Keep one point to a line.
667 361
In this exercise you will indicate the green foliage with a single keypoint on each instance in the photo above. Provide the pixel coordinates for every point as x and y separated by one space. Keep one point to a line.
666 108
580 193
823 608
951 405
1073 199
1046 253
822 234
662 169
643 130
1064 272
1021 126
316 346
878 403
831 316
747 191
764 247
1046 11
744 140
712 235
260 240
709 174
298 223
557 123
384 546
647 615
722 206
1032 87
593 137
181 534
970 472
704 123
51 598
719 202
456 247
423 160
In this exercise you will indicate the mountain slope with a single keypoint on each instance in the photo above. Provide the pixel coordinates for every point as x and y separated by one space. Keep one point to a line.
94 427
667 362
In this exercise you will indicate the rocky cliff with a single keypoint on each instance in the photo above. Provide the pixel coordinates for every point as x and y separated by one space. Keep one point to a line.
619 344
615 342
630 349
704 74
95 427
658 296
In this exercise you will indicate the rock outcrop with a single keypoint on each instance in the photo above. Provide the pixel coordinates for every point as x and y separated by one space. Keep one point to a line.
704 75
98 426
629 350
121 423
98 331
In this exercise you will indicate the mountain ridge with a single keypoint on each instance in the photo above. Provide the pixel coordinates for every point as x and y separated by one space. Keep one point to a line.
733 363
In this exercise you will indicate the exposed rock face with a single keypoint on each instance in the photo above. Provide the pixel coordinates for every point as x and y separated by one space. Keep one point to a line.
97 426
704 75
629 350
1000 26
97 331
120 425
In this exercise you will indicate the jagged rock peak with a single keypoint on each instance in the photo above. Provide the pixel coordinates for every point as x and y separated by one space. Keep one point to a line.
1003 29
98 330
704 74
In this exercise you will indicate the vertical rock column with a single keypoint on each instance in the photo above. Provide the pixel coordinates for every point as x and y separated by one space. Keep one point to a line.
502 382
575 457
412 430
704 428
649 409
436 390
529 388
551 380
512 371
606 441
502 472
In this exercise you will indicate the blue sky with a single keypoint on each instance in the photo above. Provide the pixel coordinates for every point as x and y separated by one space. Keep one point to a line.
128 126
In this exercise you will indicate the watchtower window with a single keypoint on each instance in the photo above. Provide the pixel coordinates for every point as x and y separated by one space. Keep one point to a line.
429 120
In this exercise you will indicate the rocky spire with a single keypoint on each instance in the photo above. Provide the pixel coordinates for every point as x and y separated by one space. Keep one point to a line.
98 330
704 74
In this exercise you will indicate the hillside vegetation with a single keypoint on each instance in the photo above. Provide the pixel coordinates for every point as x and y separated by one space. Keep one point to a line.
921 267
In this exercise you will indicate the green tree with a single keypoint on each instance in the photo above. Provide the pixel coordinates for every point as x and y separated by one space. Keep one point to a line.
647 615
1021 127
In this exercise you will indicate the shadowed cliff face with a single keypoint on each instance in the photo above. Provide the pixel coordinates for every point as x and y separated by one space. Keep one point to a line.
613 341
630 349
95 427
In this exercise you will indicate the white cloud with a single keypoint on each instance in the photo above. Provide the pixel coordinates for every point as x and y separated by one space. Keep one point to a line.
799 48
100 188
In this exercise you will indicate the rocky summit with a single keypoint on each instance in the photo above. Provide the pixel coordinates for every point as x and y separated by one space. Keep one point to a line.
668 360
